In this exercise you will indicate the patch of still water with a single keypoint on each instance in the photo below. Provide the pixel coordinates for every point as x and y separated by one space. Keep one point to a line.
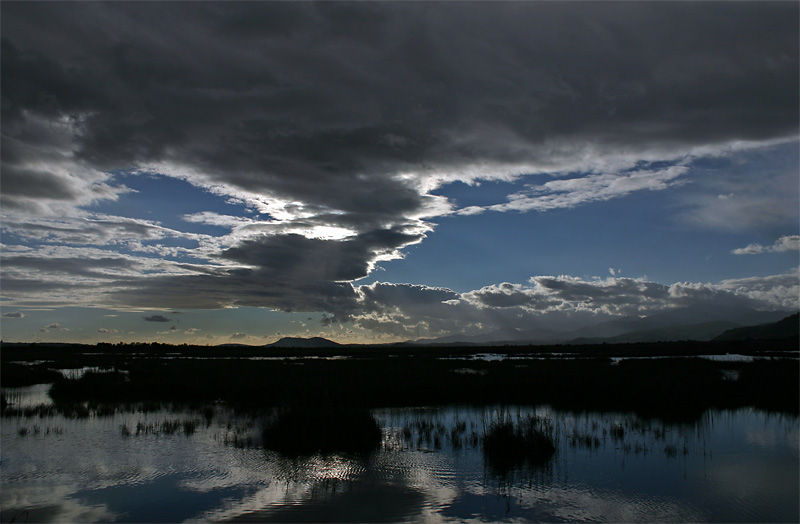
168 466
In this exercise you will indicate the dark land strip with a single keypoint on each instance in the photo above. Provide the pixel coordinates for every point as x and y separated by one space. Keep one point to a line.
580 378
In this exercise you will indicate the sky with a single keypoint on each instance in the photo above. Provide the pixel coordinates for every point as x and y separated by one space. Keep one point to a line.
212 173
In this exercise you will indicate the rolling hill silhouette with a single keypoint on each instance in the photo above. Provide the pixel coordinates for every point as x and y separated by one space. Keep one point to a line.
675 325
298 342
690 323
788 327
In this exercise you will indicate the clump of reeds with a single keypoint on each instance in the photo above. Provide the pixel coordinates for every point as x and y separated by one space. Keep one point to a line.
239 433
432 434
75 410
509 445
13 374
187 426
672 450
165 427
208 414
456 434
23 431
310 430
588 441
239 441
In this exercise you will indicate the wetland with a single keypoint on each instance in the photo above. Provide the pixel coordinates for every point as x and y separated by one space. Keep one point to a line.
597 433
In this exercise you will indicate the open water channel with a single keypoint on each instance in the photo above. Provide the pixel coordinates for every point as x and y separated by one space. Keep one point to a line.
176 465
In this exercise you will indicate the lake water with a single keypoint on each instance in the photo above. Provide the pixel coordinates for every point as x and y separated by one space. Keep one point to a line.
171 466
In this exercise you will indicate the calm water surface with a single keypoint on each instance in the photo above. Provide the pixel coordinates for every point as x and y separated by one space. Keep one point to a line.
169 466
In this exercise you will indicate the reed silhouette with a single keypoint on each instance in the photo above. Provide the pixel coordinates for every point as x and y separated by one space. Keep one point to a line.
510 445
676 388
323 429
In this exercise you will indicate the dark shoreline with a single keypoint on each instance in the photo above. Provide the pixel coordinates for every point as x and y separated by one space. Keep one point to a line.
580 378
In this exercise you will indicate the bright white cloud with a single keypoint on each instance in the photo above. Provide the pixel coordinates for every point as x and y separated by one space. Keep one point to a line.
572 192
66 275
783 244
780 291
557 302
736 197
337 164
42 176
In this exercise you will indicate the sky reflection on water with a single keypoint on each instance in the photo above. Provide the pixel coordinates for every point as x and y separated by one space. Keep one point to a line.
731 466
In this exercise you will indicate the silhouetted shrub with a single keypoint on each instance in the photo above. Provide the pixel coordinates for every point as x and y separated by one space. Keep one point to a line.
92 384
14 375
305 431
508 446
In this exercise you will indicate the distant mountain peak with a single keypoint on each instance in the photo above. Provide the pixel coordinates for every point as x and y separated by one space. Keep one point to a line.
684 323
787 328
299 342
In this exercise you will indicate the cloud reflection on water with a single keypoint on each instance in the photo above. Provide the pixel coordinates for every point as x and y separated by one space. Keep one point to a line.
93 473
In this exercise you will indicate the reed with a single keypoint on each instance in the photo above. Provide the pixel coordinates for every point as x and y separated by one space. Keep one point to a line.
509 444
37 430
675 389
166 427
309 430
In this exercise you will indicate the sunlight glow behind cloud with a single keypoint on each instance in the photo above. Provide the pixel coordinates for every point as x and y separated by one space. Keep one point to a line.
318 143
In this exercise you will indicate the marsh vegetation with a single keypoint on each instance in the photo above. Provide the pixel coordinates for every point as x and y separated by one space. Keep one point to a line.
309 430
675 385
428 461
334 432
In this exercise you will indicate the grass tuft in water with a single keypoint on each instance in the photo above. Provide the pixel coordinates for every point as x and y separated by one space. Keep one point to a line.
36 430
509 445
306 431
166 427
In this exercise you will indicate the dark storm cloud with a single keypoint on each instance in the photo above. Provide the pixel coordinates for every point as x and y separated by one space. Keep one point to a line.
157 318
406 299
36 287
555 303
309 100
244 287
69 266
85 230
34 183
505 295
295 257
615 291
354 111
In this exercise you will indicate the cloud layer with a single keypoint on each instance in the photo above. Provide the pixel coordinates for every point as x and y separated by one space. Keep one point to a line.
784 243
556 303
333 124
